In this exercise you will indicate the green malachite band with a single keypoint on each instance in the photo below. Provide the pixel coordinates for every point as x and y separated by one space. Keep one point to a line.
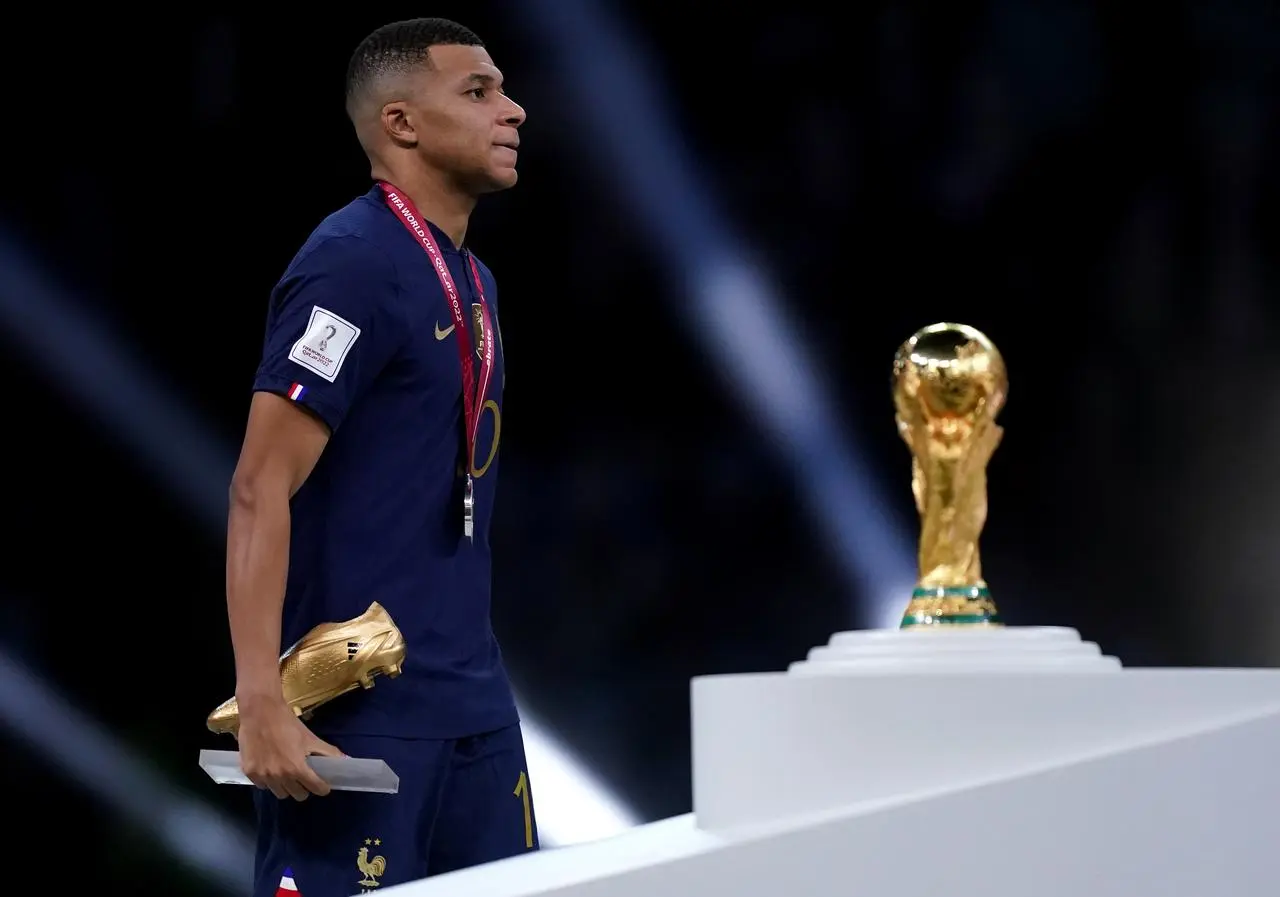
968 620
953 592
928 614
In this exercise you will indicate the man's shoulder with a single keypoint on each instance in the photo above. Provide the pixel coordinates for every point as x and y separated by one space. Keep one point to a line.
350 240
363 217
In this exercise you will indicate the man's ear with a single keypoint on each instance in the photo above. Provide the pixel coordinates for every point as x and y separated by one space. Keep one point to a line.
397 123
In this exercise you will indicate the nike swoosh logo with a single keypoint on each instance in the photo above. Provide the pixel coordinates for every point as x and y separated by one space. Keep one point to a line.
441 334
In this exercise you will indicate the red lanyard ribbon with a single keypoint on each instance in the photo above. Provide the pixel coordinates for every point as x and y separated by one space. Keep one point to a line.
473 392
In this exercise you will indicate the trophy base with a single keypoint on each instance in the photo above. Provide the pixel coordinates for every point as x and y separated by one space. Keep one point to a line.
340 773
952 606
947 649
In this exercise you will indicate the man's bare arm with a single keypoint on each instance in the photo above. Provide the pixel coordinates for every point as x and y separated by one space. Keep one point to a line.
281 447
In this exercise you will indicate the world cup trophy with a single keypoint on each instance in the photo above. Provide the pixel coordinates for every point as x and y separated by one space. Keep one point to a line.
949 383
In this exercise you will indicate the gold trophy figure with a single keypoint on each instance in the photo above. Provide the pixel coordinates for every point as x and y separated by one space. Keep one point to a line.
949 383
330 660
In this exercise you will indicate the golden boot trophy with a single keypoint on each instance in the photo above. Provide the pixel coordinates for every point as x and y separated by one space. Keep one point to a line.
949 383
330 660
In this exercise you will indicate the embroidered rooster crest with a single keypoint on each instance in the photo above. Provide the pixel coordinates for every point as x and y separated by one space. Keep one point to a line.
371 868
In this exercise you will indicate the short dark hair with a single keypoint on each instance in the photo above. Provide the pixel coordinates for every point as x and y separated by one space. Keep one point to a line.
399 46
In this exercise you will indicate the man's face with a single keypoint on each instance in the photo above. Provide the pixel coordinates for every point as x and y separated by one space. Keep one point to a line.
467 127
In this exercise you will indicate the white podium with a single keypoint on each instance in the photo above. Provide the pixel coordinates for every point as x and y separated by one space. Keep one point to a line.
989 763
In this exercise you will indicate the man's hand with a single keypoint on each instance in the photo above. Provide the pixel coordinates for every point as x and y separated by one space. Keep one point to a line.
274 746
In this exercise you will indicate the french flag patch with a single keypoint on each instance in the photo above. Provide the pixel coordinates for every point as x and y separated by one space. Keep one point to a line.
297 391
287 888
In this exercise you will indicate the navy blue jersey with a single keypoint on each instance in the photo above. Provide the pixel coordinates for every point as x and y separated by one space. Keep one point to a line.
359 333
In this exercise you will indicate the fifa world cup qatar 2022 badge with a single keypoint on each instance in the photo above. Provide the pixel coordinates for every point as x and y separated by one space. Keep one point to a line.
949 383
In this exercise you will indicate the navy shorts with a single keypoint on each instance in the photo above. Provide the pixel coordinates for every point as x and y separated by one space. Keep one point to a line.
461 802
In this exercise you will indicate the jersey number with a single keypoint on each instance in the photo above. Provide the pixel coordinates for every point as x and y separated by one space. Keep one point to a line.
522 792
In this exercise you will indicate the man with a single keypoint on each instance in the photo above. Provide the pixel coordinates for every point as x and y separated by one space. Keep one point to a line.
367 475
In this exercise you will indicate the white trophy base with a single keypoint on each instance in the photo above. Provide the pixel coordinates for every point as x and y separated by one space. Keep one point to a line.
958 649
910 769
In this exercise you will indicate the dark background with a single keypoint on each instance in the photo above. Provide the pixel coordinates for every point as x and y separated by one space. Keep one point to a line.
1091 184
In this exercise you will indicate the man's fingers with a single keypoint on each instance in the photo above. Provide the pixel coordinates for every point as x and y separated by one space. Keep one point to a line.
261 780
293 779
318 747
313 783
282 785
321 748
297 789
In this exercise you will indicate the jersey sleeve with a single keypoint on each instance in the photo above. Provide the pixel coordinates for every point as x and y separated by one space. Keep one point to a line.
334 323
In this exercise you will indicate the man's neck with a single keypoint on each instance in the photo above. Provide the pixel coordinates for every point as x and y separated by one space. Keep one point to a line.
436 200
